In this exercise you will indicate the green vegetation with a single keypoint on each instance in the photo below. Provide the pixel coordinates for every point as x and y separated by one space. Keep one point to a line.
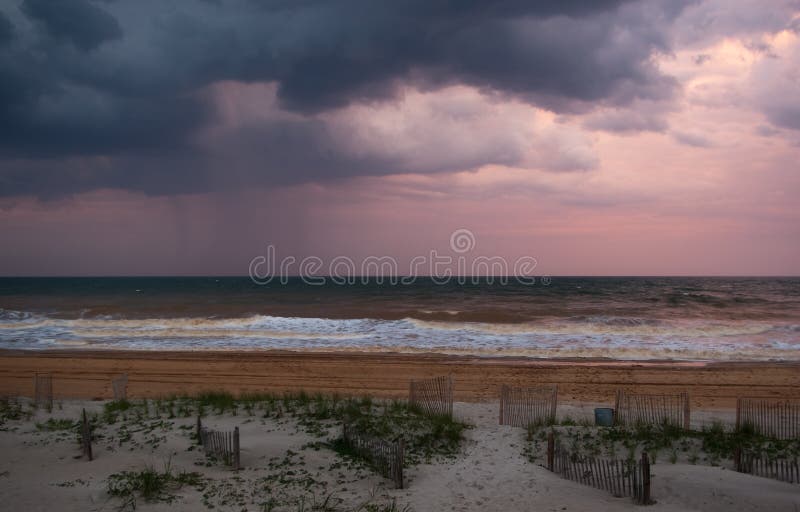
12 410
281 483
54 425
713 444
149 485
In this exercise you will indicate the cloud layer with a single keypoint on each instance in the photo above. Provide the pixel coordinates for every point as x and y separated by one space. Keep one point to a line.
128 83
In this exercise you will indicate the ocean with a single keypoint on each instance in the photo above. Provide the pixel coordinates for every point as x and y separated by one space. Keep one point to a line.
626 318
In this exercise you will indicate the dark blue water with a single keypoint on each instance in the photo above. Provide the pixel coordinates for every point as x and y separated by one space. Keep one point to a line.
623 318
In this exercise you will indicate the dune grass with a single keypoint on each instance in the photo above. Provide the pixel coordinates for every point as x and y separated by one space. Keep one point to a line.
149 485
714 444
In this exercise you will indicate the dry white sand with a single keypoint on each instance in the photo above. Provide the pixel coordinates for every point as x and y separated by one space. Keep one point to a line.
39 471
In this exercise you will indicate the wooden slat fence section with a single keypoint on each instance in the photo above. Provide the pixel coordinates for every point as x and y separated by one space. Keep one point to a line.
621 478
386 457
43 390
520 407
119 385
642 409
434 396
86 436
221 445
782 469
769 417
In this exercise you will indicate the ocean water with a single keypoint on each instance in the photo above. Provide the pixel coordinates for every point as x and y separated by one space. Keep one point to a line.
705 319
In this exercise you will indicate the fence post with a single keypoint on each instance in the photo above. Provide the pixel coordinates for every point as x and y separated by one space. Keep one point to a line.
401 448
236 459
450 394
502 401
737 458
687 411
617 402
738 414
554 405
645 479
86 436
199 428
550 450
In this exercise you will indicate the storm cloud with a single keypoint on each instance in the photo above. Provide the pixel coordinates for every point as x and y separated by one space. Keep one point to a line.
91 91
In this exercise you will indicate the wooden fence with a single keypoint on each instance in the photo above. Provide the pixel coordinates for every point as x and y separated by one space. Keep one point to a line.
640 409
119 385
433 396
43 390
221 445
86 436
520 407
785 470
386 457
774 418
621 478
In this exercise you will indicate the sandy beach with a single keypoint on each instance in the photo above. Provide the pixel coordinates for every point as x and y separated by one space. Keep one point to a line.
490 473
492 470
86 374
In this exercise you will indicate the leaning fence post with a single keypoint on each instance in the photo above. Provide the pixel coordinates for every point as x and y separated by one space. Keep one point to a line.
550 450
737 458
236 448
199 428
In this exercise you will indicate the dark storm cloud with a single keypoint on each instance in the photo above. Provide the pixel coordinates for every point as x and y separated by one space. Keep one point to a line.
86 25
124 80
6 29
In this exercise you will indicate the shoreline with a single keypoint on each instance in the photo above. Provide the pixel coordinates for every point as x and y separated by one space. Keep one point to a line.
87 374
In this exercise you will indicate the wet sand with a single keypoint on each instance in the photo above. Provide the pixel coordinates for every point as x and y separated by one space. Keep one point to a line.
87 374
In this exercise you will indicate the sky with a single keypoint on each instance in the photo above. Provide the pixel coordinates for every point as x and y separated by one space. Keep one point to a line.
630 137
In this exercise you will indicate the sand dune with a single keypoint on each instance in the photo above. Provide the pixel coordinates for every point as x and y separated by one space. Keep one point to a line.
38 471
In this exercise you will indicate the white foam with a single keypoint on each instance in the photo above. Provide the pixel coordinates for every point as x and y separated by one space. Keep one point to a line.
578 337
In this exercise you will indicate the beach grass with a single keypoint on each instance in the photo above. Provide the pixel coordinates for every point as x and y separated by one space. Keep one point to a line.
149 484
714 444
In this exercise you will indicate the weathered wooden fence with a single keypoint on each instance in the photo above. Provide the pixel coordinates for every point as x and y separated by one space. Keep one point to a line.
86 436
119 385
783 469
221 445
641 409
386 457
43 390
621 478
769 417
433 396
520 407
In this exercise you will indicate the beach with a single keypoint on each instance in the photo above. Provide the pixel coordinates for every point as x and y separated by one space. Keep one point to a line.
279 360
491 470
87 374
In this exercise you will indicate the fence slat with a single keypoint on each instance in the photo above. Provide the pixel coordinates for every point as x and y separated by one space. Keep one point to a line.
43 390
119 386
633 409
386 457
620 478
434 396
221 445
769 417
521 407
